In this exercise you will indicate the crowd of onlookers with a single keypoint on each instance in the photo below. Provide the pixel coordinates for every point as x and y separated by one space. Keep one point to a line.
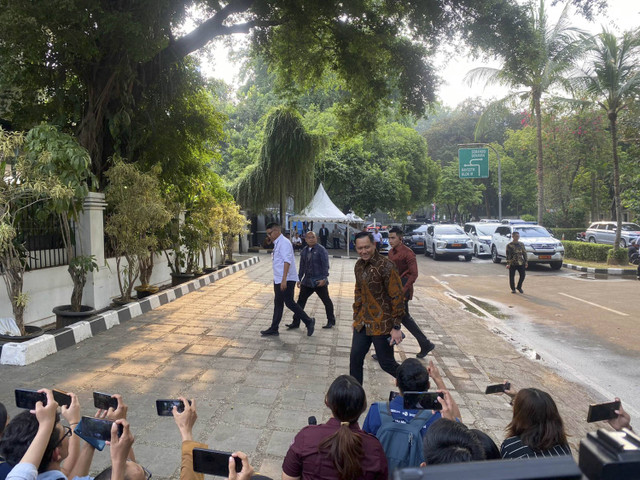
41 443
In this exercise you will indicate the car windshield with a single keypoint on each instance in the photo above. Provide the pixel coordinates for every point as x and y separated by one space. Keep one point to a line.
448 230
532 232
631 227
486 229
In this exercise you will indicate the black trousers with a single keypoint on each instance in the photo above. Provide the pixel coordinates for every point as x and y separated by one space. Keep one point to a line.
286 298
323 241
323 293
336 243
410 324
360 344
512 275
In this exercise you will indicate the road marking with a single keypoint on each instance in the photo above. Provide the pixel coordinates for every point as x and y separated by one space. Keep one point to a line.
595 305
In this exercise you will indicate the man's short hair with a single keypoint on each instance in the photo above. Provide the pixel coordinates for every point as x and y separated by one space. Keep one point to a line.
516 233
20 433
447 441
412 376
397 230
273 225
369 235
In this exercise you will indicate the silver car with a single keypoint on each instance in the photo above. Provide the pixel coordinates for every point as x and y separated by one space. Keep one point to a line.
605 232
480 233
447 240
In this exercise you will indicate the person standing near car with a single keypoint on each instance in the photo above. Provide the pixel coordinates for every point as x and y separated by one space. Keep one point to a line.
516 262
377 238
405 261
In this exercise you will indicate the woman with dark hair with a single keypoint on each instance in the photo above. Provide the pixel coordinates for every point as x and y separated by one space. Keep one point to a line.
536 429
337 449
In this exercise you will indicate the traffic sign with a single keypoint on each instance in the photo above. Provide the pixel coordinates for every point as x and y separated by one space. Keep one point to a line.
473 163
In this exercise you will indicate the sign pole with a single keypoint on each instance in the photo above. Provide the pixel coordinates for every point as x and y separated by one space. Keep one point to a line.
499 172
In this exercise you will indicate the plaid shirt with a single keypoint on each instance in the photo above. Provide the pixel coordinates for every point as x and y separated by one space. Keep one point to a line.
379 299
516 253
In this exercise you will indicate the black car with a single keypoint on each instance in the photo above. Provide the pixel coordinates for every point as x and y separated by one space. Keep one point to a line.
415 239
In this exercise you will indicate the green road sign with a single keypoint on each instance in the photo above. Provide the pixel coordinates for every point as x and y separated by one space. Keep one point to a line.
473 163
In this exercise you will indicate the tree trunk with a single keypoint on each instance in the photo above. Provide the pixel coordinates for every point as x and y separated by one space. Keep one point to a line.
616 179
540 166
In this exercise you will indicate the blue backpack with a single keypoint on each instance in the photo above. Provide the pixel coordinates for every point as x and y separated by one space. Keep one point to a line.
402 442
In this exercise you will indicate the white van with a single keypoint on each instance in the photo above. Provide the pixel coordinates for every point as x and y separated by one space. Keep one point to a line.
480 233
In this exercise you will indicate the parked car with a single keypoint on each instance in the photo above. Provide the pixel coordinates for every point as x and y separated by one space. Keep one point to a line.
480 233
447 240
384 247
415 239
540 245
605 232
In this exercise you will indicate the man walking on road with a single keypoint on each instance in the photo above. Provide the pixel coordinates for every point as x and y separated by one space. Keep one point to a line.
405 261
284 282
314 277
516 261
324 235
378 308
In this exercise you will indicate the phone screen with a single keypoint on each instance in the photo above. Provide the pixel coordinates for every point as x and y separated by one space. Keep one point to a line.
393 395
165 407
98 428
104 401
213 462
499 388
62 398
28 398
422 400
602 411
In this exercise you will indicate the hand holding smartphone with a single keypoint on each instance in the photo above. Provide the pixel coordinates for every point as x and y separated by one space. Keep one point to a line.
603 411
392 342
98 428
63 398
165 407
499 388
422 400
213 462
27 399
104 401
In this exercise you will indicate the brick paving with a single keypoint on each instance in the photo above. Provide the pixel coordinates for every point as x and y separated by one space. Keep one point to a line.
254 394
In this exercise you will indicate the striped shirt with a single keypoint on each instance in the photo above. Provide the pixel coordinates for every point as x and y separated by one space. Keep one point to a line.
513 447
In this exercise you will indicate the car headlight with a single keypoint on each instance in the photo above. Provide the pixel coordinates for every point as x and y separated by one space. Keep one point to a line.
469 244
441 244
486 242
528 248
560 247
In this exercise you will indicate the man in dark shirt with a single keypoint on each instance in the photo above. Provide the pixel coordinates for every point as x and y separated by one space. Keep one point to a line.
378 308
324 235
405 261
314 277
516 261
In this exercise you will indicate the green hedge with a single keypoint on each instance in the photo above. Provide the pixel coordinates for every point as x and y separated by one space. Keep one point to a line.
569 233
591 252
618 257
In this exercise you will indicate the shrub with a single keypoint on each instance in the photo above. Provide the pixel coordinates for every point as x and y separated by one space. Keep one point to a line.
528 218
591 252
618 257
569 233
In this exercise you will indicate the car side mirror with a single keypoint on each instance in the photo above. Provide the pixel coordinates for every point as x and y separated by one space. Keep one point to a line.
508 235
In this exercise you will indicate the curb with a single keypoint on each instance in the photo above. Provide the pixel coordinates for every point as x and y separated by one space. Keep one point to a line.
36 349
605 271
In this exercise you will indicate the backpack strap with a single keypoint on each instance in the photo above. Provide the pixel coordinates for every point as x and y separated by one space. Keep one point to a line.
384 412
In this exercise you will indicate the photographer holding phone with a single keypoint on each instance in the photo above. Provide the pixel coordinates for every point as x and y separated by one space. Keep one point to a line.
623 419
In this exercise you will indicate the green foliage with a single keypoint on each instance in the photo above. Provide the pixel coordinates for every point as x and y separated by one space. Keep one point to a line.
457 195
617 256
591 252
528 218
569 233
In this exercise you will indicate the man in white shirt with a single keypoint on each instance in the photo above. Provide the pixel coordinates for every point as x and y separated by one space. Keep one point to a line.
285 277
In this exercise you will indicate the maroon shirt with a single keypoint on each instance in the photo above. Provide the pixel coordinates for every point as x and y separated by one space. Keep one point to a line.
304 460
405 261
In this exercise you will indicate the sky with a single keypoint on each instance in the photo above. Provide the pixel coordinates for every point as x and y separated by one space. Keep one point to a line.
452 66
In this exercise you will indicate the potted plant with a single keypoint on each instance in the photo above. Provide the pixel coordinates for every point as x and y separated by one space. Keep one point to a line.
137 212
233 223
50 153
18 191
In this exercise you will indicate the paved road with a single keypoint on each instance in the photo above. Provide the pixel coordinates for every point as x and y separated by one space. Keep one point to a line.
588 327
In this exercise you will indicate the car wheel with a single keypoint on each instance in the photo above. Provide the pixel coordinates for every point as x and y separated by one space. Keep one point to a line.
435 256
467 258
494 255
623 243
592 239
426 252
556 265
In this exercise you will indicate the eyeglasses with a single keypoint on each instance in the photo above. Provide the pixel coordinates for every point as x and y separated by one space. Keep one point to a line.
67 433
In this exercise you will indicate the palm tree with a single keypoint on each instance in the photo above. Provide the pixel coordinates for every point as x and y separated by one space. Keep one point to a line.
612 78
285 167
538 64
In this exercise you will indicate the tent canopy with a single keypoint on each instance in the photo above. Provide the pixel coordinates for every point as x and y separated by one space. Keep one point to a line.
321 208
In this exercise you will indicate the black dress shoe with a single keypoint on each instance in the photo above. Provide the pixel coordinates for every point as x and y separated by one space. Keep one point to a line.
291 326
311 327
269 332
329 325
513 291
520 290
423 353
375 357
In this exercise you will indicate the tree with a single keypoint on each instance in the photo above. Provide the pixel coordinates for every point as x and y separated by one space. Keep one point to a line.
458 195
537 66
285 167
86 65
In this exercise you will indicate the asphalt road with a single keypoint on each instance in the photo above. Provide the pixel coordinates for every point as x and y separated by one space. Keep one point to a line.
587 328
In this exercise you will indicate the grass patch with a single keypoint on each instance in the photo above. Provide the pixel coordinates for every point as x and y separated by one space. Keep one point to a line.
584 263
469 307
492 309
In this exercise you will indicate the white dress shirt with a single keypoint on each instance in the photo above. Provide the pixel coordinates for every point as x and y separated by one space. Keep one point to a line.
283 252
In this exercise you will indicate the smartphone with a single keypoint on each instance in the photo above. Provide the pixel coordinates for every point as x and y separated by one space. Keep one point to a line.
602 411
393 395
389 338
213 462
98 428
104 401
62 397
27 398
165 407
499 388
422 400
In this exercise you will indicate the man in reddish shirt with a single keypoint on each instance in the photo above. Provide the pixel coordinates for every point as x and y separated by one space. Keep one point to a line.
405 261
